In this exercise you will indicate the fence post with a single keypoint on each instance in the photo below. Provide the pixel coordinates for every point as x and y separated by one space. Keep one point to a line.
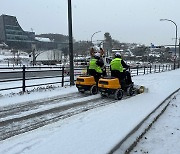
62 82
144 69
163 68
150 69
24 78
159 68
155 69
137 70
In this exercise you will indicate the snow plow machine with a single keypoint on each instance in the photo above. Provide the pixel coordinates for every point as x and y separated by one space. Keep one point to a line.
107 86
111 86
86 83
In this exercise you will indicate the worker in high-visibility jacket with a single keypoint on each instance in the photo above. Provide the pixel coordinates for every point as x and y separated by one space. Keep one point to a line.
119 69
95 66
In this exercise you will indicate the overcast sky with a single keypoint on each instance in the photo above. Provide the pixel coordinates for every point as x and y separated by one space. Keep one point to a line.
126 20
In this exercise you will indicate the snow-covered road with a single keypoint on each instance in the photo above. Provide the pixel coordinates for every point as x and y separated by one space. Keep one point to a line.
94 131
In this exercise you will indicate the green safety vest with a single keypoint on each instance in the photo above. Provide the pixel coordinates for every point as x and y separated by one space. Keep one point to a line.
94 66
116 65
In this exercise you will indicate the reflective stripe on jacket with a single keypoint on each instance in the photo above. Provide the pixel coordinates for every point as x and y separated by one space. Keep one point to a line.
116 65
94 66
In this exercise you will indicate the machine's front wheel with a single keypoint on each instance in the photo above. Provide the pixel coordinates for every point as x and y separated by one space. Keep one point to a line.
130 91
93 90
118 94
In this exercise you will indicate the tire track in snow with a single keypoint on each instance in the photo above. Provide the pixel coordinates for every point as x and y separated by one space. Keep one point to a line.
18 125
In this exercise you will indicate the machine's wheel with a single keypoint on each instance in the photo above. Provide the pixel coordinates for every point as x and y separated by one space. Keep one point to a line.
130 91
104 95
93 90
81 91
118 94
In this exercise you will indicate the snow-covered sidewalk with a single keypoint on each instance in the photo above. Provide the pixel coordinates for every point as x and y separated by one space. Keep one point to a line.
164 135
97 130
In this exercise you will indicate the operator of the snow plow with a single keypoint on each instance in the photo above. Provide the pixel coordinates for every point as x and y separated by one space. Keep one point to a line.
95 66
119 69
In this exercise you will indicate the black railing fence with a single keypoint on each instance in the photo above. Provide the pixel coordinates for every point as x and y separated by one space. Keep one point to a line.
24 77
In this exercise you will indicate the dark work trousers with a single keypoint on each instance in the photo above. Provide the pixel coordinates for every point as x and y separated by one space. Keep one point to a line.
95 74
122 76
128 77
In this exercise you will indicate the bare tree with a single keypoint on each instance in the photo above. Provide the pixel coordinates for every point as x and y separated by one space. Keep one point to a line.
108 43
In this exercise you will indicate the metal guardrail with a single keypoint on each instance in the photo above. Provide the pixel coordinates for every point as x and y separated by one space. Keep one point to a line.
151 69
142 70
63 72
22 72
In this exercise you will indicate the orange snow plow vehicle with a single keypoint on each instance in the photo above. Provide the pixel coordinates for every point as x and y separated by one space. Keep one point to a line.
111 86
86 83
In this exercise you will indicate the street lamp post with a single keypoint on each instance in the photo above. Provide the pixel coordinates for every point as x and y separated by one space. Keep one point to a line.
179 54
70 43
175 39
94 34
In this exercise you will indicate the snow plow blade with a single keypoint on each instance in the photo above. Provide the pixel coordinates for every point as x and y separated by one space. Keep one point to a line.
140 89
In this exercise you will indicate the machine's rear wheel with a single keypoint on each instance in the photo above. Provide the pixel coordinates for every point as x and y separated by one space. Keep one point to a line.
104 94
130 91
93 90
118 94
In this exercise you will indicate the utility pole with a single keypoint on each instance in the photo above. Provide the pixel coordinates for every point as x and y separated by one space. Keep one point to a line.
70 44
179 54
175 39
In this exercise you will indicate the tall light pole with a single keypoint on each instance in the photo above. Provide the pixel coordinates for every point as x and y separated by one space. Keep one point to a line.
175 39
70 43
179 53
94 34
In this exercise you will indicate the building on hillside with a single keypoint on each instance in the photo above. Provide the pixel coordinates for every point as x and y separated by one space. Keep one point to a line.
13 35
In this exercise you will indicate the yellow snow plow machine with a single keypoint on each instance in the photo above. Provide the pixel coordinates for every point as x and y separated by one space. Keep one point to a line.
112 86
86 83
